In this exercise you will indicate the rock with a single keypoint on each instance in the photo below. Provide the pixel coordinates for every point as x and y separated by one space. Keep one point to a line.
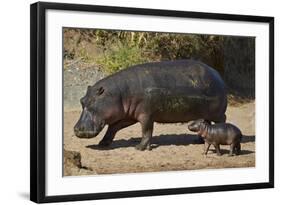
73 165
72 162
72 158
76 81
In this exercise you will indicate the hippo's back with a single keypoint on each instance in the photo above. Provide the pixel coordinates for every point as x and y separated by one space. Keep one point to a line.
189 75
175 91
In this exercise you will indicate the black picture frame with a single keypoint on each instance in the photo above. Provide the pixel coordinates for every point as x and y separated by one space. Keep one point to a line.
38 101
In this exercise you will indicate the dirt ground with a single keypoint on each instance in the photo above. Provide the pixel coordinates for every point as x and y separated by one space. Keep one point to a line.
174 147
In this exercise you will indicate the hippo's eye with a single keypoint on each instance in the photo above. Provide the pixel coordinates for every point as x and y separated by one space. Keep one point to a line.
100 91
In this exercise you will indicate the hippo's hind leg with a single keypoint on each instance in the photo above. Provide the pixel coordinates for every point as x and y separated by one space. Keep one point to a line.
232 149
112 130
147 129
238 148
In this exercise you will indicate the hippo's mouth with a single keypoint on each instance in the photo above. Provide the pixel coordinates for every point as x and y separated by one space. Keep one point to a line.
87 134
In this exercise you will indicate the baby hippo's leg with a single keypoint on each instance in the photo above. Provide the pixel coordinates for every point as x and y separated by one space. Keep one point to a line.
217 146
232 146
238 148
206 148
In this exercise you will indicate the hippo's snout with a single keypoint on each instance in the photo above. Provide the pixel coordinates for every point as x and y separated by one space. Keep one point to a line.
189 127
85 127
88 134
194 126
81 132
84 130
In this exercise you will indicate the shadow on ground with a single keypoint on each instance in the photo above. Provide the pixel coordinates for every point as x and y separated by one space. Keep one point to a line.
226 151
165 140
161 140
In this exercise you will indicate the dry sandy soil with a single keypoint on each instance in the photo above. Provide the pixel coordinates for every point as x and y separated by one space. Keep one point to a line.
174 148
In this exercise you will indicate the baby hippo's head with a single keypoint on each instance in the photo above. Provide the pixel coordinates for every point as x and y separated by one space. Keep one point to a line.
196 125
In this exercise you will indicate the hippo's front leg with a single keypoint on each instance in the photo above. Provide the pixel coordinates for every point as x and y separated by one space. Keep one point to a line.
112 130
147 129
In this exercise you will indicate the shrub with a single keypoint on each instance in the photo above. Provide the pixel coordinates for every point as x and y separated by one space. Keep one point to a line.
120 56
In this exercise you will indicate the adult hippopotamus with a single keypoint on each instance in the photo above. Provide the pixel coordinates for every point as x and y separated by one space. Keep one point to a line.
164 92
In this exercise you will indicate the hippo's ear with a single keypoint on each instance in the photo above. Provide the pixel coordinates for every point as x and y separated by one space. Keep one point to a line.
207 122
100 91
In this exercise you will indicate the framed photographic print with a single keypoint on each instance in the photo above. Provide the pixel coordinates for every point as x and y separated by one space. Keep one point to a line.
129 102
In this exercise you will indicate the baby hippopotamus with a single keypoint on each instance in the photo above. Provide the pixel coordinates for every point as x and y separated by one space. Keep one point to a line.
218 134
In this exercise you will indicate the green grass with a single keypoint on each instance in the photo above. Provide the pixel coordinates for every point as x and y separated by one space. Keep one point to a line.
121 56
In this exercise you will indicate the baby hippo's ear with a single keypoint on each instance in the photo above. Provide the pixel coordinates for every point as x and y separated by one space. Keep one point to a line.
207 122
